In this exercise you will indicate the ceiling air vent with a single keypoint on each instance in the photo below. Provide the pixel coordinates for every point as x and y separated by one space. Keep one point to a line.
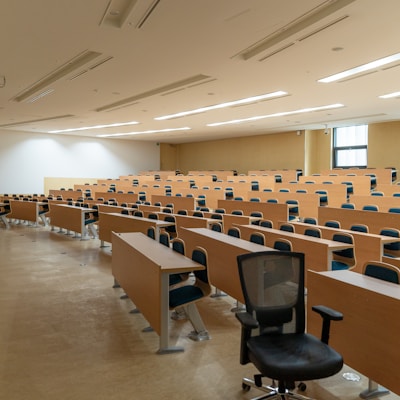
66 69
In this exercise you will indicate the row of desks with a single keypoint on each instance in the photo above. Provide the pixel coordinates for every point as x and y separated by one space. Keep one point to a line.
142 267
365 337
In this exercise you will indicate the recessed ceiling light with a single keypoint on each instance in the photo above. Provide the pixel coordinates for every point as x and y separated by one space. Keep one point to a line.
362 68
85 128
390 95
281 114
145 132
247 100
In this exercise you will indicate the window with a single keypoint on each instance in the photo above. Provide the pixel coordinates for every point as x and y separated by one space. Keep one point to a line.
350 146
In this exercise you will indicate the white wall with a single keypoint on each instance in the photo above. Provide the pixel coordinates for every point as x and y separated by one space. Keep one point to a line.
27 158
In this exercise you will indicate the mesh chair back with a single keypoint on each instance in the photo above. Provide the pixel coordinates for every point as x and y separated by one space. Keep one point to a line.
273 289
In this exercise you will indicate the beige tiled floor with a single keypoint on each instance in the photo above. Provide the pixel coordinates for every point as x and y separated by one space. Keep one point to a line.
66 334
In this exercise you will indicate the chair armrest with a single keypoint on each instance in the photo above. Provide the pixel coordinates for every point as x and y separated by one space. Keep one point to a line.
328 315
247 320
327 312
248 323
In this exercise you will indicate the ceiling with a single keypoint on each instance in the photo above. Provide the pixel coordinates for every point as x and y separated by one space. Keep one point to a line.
69 64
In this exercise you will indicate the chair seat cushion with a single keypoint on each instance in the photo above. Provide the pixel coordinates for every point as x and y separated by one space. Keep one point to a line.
337 265
184 294
293 357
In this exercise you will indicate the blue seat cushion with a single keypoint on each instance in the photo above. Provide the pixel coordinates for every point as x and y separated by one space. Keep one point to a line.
183 295
337 265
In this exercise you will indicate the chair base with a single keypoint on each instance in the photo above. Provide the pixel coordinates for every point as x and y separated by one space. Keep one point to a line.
271 392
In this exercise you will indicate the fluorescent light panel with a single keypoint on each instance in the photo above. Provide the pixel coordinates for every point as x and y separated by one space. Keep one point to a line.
390 95
86 128
281 114
362 68
145 132
247 100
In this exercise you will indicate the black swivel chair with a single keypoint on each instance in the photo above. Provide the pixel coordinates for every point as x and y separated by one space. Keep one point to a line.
273 289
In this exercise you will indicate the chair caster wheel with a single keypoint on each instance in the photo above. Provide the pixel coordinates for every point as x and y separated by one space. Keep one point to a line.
302 386
245 387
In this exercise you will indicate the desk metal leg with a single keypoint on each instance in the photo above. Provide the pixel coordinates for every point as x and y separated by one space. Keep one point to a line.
164 337
374 390
218 293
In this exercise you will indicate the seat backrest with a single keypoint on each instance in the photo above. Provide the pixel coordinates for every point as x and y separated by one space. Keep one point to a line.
348 205
164 238
332 224
381 270
216 226
257 237
151 232
178 245
359 228
344 238
266 223
287 228
138 213
370 207
314 232
282 244
199 255
279 277
237 212
234 231
310 220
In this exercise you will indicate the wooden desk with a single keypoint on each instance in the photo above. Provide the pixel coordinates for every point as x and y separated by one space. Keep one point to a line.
222 251
382 202
71 218
367 246
308 203
368 335
115 222
373 219
318 252
188 221
142 266
383 175
180 203
271 211
25 210
361 184
336 192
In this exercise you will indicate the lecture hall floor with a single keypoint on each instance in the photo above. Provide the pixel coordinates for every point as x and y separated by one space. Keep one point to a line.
66 334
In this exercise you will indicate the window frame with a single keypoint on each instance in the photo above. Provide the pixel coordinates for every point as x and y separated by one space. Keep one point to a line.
336 149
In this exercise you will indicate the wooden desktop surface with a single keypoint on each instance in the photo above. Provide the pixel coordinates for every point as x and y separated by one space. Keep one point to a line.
368 335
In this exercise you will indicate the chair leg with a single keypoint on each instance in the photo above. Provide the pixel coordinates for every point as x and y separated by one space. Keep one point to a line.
200 331
93 230
5 221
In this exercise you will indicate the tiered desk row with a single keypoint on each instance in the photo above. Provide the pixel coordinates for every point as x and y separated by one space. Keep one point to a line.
142 266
